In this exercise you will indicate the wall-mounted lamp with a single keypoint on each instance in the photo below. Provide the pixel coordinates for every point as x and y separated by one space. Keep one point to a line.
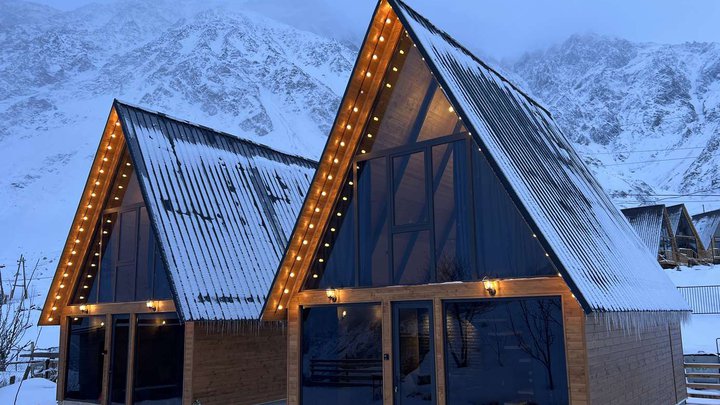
84 309
151 306
490 285
331 294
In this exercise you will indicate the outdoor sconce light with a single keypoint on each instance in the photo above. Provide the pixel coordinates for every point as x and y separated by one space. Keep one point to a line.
490 286
151 305
331 294
84 309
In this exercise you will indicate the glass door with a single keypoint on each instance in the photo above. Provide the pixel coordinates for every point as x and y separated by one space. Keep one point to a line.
119 359
414 353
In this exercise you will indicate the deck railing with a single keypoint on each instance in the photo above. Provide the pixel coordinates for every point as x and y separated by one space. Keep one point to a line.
703 299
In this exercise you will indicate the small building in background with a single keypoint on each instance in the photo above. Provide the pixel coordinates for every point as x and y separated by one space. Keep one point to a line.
652 224
689 245
172 249
707 226
454 248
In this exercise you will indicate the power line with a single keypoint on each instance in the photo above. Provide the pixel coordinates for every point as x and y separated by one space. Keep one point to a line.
651 161
640 151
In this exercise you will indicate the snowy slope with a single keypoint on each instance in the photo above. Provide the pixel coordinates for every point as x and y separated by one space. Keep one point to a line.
625 102
226 69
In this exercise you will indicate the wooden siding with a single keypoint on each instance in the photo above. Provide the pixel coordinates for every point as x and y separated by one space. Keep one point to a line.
634 367
573 317
234 367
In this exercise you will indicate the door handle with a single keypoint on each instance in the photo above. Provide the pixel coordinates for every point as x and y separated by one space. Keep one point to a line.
396 389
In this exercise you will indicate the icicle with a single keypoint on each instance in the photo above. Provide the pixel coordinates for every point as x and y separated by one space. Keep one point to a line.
241 327
639 321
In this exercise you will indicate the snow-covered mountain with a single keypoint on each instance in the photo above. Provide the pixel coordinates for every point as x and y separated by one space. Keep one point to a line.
646 117
228 66
219 66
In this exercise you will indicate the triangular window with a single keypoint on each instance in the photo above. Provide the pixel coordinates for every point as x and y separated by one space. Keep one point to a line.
123 263
421 203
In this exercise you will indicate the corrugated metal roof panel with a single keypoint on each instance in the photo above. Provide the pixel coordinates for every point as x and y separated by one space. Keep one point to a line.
222 207
706 224
607 263
648 223
675 212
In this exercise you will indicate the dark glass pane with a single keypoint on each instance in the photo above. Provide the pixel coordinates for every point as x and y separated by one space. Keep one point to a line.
410 194
334 265
119 359
411 257
412 109
125 190
440 119
144 270
342 354
109 258
452 216
504 351
373 214
84 359
415 363
125 288
505 243
128 236
161 285
158 360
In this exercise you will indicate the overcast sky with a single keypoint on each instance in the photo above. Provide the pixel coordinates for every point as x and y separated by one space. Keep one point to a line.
507 28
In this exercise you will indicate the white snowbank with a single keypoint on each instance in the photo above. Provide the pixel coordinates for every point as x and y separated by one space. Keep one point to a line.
696 275
700 331
35 391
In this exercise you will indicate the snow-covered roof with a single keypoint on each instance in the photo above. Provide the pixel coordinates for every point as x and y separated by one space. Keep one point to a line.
605 263
648 223
222 208
674 213
706 224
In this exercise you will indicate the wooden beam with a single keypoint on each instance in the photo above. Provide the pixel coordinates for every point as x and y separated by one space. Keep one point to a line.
387 347
105 391
189 355
439 331
130 372
62 358
120 308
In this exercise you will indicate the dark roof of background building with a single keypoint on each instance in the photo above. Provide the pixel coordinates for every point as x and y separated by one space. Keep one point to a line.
706 224
648 223
222 208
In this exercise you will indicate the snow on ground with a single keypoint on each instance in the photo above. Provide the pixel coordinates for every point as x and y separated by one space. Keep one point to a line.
700 332
697 275
35 391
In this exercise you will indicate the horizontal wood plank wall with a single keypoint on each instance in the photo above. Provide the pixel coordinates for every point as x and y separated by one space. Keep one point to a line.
574 323
635 367
243 367
188 356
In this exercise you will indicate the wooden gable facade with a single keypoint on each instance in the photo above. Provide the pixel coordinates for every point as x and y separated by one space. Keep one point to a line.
425 267
652 224
707 225
161 278
690 246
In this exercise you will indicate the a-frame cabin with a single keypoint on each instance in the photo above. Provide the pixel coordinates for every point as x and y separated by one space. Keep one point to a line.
690 246
652 224
707 226
453 248
175 242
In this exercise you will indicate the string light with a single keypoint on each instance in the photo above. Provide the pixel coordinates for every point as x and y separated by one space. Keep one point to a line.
335 160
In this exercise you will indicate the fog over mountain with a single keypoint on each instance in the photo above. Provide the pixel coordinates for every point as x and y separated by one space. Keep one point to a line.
239 68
